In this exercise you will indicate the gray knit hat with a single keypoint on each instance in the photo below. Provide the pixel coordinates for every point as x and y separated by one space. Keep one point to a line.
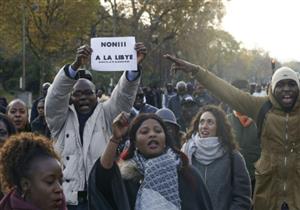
284 73
167 116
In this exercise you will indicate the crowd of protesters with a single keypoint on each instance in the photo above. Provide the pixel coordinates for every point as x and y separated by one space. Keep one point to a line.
191 145
277 169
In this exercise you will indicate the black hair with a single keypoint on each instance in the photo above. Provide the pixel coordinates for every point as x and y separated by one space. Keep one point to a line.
17 155
11 129
135 125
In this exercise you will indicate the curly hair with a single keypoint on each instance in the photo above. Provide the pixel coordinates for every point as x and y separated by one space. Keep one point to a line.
135 125
9 124
224 129
18 153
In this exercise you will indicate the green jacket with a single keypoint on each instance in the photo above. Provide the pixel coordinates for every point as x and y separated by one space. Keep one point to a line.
278 169
248 142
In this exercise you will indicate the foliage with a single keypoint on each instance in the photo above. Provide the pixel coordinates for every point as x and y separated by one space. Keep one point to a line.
292 64
55 28
9 67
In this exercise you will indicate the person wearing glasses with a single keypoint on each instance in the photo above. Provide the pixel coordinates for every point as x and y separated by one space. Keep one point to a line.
80 130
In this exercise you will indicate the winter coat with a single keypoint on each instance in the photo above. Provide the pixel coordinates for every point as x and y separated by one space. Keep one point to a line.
34 112
40 126
146 108
278 169
166 97
226 178
204 99
248 141
175 105
12 201
116 189
62 120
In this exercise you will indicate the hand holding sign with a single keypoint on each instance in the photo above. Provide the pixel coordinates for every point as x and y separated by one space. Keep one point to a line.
115 53
82 56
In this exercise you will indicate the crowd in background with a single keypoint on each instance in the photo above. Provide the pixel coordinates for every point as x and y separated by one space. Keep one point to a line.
181 146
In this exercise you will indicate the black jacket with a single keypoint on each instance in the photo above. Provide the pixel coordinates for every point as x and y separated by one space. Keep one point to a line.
40 126
109 190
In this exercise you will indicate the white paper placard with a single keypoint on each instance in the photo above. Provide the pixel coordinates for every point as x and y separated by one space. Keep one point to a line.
113 54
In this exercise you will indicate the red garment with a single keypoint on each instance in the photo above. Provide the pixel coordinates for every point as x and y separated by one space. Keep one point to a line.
244 120
12 201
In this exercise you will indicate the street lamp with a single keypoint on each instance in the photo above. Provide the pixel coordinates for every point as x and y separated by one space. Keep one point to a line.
23 47
35 8
273 65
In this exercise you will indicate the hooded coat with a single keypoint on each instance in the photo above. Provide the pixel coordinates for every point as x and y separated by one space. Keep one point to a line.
277 171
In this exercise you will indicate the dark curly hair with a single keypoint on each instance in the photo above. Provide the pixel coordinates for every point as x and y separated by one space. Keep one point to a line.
224 129
9 124
135 125
18 153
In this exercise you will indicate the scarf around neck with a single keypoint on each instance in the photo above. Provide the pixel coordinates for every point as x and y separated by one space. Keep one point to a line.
205 150
159 189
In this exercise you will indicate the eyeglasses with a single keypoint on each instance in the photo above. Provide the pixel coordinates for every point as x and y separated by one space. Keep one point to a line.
79 93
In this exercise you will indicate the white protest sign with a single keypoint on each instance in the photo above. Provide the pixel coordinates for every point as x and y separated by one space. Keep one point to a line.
113 54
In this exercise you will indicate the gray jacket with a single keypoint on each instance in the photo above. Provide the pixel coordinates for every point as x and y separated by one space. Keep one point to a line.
63 123
227 181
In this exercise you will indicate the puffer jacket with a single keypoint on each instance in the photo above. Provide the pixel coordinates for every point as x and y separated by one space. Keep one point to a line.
278 169
62 120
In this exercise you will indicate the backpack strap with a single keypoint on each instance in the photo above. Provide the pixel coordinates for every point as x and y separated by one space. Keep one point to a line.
261 116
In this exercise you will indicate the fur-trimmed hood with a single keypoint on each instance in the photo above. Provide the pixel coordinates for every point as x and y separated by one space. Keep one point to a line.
129 170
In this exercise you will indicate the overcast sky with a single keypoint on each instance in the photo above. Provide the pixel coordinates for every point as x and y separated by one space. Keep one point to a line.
273 25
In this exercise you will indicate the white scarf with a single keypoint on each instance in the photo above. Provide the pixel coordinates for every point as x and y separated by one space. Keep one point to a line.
205 150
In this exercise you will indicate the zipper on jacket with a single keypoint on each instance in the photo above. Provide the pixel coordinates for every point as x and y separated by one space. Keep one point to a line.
286 148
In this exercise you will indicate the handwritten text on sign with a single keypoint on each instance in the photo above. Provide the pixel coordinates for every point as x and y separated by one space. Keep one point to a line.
113 54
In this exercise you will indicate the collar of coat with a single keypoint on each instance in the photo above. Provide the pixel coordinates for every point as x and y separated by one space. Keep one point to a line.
129 171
